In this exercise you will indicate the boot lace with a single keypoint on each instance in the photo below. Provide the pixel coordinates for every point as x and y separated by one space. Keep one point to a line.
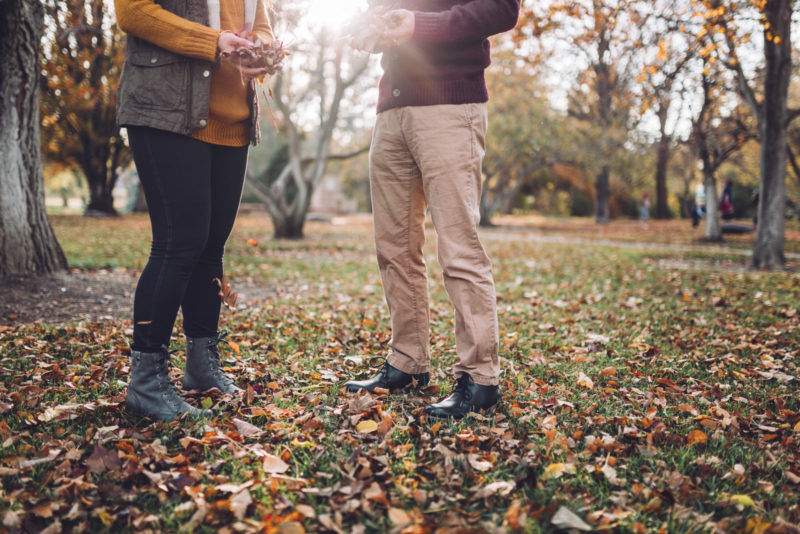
216 364
462 387
168 391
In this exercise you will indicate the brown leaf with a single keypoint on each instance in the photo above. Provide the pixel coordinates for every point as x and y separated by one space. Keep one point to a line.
103 459
376 494
399 517
246 429
501 487
226 293
240 502
291 527
273 464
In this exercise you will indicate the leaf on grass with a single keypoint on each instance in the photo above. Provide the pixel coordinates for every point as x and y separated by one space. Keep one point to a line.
306 511
367 426
11 520
501 487
239 503
567 520
291 527
273 464
557 469
399 517
478 464
234 346
103 459
549 422
252 242
742 500
697 437
246 429
584 381
375 493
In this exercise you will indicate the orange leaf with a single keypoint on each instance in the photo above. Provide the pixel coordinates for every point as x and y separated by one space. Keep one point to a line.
697 437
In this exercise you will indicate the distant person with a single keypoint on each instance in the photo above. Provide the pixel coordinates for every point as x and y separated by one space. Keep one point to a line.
645 211
190 119
427 149
699 210
726 201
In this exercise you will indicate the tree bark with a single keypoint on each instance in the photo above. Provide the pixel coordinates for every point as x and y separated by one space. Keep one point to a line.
27 242
603 195
713 226
768 248
662 163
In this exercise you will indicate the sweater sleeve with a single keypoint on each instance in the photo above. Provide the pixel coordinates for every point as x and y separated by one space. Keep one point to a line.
262 27
473 21
149 21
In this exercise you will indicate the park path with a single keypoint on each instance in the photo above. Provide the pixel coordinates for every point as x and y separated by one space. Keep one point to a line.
515 234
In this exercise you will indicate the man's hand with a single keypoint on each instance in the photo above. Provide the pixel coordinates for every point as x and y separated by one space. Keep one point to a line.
399 26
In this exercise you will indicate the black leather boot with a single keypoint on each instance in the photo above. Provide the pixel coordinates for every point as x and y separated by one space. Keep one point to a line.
203 368
150 391
466 397
389 378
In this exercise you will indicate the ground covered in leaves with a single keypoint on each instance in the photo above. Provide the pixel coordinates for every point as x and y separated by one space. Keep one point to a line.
644 389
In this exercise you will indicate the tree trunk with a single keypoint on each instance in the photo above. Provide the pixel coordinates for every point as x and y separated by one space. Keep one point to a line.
27 242
101 200
713 226
768 248
662 164
602 195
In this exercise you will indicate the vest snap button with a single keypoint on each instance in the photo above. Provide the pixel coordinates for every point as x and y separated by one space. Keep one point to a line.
206 73
203 122
153 60
396 92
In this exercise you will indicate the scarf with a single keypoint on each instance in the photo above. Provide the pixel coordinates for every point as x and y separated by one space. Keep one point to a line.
249 14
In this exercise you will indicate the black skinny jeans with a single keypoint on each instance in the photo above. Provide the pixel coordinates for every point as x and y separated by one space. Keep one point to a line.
193 191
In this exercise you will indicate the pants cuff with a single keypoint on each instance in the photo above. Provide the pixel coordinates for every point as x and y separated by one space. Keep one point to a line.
482 380
406 364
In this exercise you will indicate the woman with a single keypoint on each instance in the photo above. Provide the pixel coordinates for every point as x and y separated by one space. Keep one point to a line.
190 117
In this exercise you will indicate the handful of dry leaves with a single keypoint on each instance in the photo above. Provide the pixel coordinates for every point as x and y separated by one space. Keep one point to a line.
267 56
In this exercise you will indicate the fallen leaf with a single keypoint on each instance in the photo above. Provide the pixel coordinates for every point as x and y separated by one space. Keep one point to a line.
367 426
103 459
273 464
291 527
584 381
399 517
566 519
697 437
556 470
246 429
501 487
240 502
742 500
478 464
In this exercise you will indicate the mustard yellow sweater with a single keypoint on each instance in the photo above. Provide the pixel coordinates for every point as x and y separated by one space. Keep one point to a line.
229 111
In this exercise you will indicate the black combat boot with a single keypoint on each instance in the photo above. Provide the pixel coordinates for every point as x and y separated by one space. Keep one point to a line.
150 391
389 378
466 397
203 368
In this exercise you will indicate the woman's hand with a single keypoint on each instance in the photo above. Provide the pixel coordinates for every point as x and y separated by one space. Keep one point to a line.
228 42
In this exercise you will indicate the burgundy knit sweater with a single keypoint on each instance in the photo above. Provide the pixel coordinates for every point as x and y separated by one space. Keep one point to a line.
445 59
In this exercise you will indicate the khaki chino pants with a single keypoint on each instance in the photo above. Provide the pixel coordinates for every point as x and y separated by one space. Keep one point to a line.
431 156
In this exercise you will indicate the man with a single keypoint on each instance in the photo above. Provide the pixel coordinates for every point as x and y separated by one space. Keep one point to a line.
427 150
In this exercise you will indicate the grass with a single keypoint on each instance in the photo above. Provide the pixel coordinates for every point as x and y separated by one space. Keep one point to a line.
642 395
